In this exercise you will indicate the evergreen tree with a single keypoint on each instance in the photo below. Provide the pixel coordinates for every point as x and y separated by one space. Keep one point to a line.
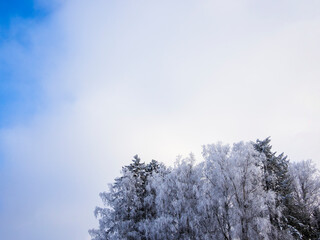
276 176
277 179
125 204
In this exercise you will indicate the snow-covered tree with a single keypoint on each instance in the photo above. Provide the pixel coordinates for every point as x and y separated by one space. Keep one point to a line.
240 203
216 194
176 201
276 177
125 204
241 192
150 192
306 199
154 171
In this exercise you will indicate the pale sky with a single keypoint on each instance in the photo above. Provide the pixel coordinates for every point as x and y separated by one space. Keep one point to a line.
89 84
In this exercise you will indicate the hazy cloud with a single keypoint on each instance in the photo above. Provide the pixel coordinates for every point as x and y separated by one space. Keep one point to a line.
116 78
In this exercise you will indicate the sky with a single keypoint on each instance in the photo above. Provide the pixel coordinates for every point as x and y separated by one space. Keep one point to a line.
86 85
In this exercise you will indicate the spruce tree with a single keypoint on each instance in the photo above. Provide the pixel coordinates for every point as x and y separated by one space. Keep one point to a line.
126 207
278 180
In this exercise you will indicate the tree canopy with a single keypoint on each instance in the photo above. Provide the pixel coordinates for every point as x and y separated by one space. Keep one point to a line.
244 191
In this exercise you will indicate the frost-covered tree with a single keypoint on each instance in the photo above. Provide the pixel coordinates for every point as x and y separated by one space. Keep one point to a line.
276 177
154 171
216 194
241 202
242 192
306 199
176 201
275 167
125 204
150 191
250 198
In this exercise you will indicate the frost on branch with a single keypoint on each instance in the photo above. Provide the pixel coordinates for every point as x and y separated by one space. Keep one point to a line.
244 191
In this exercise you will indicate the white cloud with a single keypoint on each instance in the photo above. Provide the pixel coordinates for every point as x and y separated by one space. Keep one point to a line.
157 79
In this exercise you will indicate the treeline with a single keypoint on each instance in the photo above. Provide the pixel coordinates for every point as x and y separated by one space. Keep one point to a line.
246 191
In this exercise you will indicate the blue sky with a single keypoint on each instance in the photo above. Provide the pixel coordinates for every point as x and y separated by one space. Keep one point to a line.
9 10
86 85
19 90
